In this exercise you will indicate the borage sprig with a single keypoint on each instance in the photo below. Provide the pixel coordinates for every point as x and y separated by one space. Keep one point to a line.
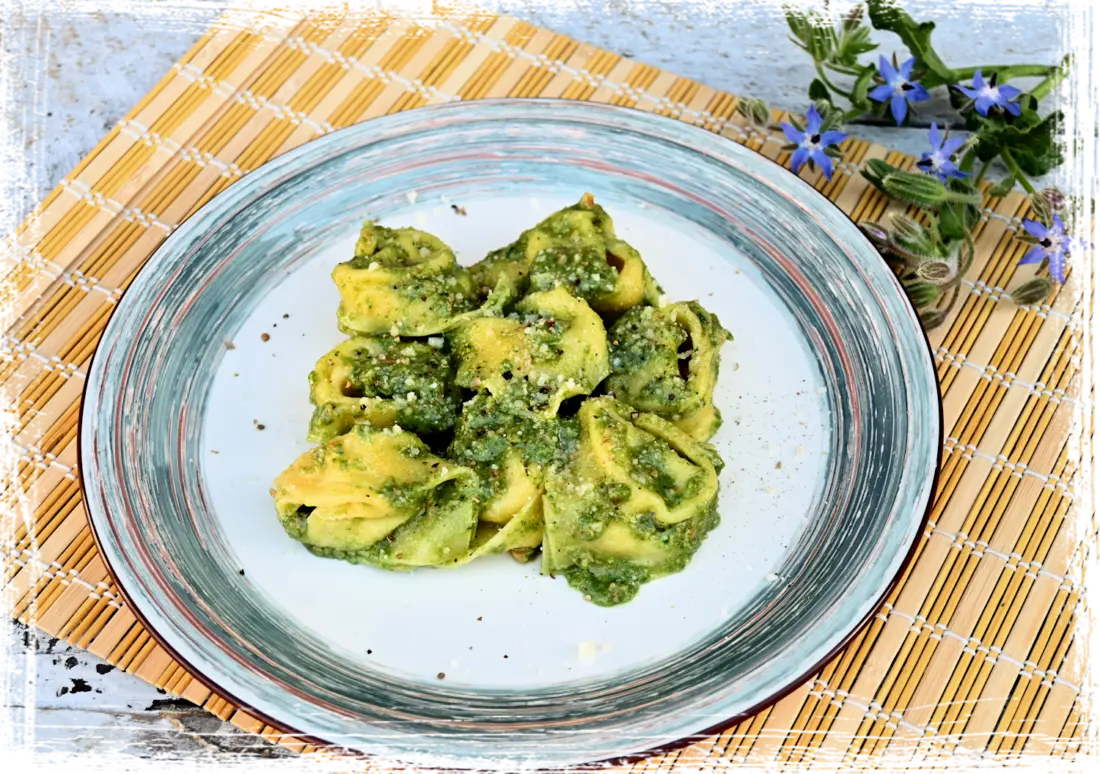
932 252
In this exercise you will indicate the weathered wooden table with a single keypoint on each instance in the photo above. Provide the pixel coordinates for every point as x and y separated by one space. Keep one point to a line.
69 69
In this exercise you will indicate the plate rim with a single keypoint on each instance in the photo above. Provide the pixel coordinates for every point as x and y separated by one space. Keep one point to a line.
618 760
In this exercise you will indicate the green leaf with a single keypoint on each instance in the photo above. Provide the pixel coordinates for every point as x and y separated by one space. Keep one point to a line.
853 43
1034 148
1058 154
887 15
800 28
953 222
1080 206
811 33
818 90
862 86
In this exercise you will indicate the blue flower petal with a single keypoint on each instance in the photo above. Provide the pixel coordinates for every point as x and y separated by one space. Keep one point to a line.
1034 255
899 107
813 120
1057 267
918 93
886 70
1009 92
1012 108
798 158
952 144
1059 227
825 163
983 104
972 93
1035 228
792 134
881 93
933 138
907 67
832 138
979 81
1075 244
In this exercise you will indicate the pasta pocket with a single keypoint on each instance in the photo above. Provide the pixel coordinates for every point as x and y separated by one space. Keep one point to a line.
634 504
382 381
553 341
403 282
378 497
575 248
665 361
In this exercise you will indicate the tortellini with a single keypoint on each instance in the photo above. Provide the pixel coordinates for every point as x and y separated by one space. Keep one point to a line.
383 381
575 248
553 341
378 497
544 400
403 282
665 361
634 503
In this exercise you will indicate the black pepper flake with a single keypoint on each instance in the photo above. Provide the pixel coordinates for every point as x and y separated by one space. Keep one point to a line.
441 675
458 210
479 618
369 651
506 656
286 316
241 573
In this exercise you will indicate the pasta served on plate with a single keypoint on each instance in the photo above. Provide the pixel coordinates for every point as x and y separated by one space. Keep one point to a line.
544 401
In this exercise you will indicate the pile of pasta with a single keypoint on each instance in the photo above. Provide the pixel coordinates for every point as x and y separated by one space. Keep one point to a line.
544 400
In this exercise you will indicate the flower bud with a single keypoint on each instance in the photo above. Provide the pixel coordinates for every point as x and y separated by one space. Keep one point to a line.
853 19
921 190
1032 292
934 271
755 111
932 318
873 231
921 293
906 226
1055 199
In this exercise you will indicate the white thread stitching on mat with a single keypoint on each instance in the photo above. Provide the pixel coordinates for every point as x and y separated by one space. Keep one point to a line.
893 720
200 158
74 279
68 577
997 293
42 461
1013 561
1009 379
112 207
14 350
1000 462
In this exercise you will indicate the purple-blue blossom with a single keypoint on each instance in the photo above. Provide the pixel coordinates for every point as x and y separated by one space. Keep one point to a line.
898 89
811 144
938 162
992 94
1053 244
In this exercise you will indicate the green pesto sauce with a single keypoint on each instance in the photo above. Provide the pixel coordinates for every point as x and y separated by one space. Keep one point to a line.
492 426
580 269
648 466
417 378
393 247
612 581
645 354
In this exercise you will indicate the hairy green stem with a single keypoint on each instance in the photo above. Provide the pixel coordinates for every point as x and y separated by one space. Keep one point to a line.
981 172
1014 168
825 79
1008 70
967 163
1049 83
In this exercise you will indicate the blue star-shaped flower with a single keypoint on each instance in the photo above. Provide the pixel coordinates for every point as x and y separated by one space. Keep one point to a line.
988 95
939 162
898 89
812 143
1053 245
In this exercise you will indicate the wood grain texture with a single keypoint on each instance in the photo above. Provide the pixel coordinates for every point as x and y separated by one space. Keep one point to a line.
975 651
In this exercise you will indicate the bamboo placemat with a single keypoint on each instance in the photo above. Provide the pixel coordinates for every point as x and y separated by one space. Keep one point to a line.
975 655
